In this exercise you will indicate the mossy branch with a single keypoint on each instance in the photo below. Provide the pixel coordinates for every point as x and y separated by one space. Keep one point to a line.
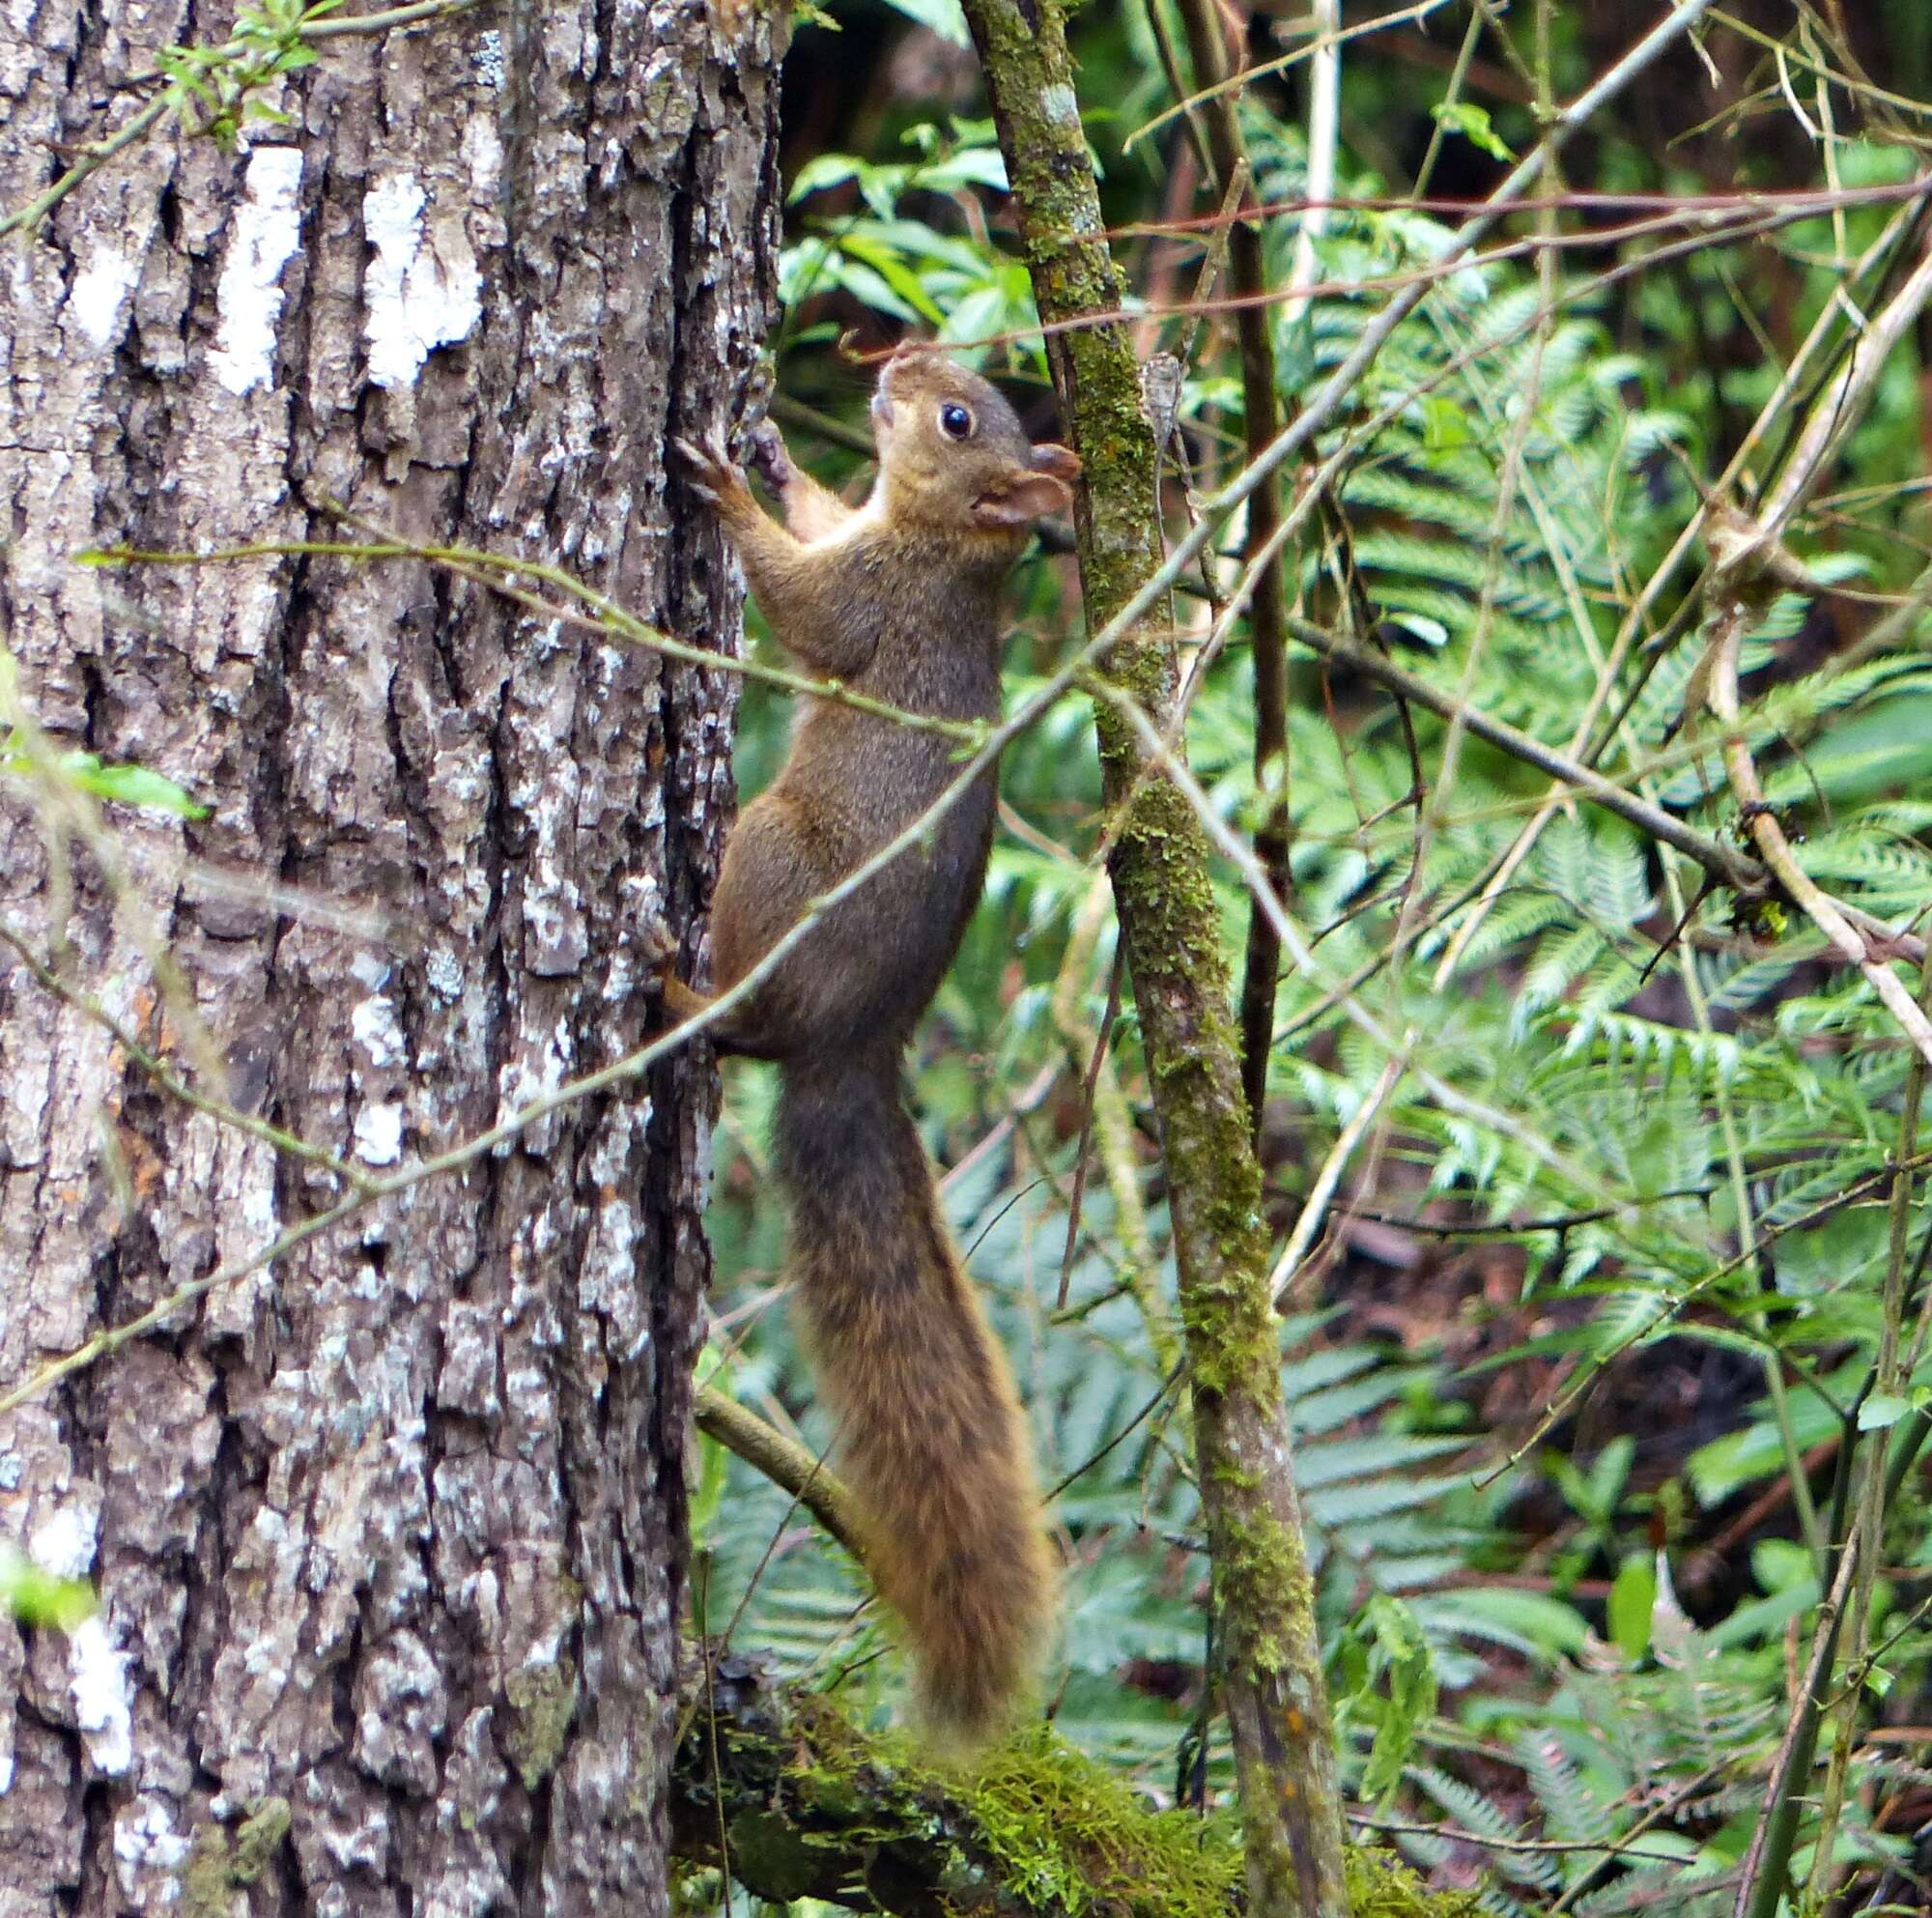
1170 922
772 1782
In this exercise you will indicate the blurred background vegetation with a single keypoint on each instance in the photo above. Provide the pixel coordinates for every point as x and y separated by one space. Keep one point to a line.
1572 1390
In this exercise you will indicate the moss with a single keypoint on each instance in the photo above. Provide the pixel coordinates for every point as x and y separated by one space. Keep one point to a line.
1029 1825
207 1881
219 1865
1381 1886
1163 859
542 1701
783 1861
1066 1836
259 1837
1030 1829
1262 1580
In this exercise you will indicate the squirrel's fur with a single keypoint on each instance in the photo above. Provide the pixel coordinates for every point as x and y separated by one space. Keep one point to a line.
900 600
929 1432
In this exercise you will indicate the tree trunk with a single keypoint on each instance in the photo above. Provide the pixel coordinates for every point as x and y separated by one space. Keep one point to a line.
388 1537
1272 1680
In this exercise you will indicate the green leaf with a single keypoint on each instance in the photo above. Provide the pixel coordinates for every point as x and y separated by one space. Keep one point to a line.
1530 1620
1445 425
1607 1475
131 785
1473 123
1401 1651
820 171
896 274
35 1596
966 166
1633 1600
1883 1409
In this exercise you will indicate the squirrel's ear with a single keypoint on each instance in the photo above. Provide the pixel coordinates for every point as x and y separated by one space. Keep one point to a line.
1058 460
1024 498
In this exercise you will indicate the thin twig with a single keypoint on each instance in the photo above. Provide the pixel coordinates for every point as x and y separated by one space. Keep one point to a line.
787 1464
499 575
1315 1206
1267 632
1095 1061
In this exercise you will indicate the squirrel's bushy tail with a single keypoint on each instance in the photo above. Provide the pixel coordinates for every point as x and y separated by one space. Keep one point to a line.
930 1434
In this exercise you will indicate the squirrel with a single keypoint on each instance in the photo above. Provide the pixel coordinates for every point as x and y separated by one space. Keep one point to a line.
900 600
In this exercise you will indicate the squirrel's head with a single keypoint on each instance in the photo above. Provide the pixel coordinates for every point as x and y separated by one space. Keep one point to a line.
954 456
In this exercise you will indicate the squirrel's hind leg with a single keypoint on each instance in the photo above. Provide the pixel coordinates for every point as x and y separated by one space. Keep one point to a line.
684 1003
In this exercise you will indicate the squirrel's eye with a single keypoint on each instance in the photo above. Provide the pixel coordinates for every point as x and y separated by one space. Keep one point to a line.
955 419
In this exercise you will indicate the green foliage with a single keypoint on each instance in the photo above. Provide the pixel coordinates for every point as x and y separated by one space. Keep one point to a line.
947 285
1661 1121
32 1595
216 89
24 755
1397 1681
130 785
1473 123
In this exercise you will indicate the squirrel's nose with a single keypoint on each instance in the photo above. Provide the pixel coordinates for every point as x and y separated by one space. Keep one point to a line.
902 355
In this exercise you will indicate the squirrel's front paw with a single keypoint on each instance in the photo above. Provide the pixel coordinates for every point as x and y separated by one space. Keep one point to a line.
715 475
769 459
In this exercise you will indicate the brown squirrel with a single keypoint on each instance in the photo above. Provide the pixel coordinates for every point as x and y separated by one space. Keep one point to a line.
899 599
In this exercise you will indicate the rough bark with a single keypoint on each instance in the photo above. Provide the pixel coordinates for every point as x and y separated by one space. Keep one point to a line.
1272 1682
388 1539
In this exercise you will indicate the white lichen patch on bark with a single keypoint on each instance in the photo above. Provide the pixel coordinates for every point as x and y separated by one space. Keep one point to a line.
379 1133
64 1543
145 1839
248 296
541 1068
423 289
261 1216
104 1703
95 300
483 153
487 59
443 974
373 1023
